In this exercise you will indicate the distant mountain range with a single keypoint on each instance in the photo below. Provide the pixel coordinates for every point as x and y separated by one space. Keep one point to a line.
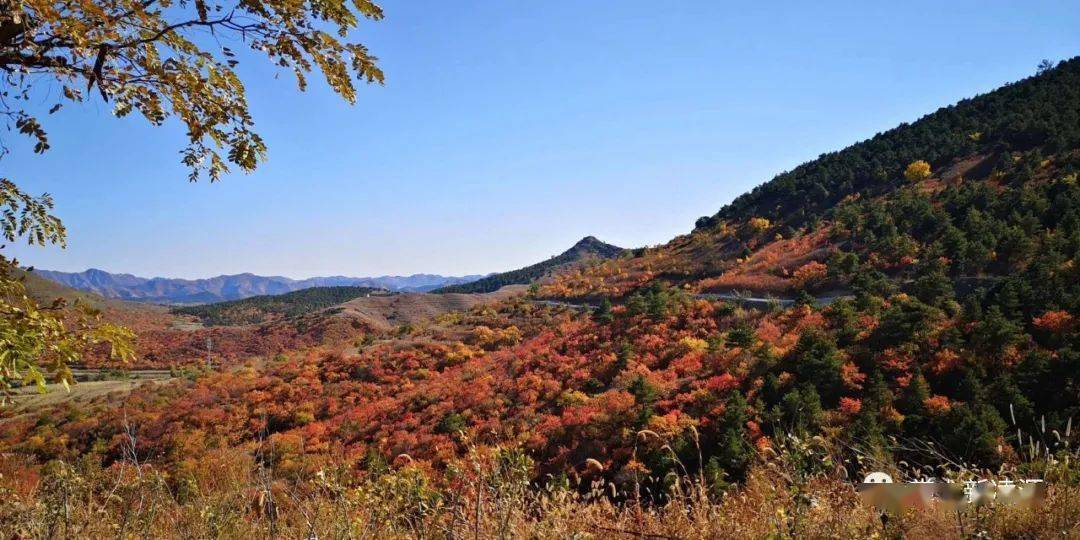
233 287
585 249
175 291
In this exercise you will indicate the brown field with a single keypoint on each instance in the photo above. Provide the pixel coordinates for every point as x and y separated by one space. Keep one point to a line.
30 399
389 312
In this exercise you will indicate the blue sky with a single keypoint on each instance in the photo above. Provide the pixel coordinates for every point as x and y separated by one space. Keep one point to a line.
508 130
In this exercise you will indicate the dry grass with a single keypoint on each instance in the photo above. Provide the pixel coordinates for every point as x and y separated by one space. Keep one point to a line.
388 312
797 493
30 400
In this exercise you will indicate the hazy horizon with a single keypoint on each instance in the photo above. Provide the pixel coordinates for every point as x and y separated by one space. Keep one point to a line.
507 132
254 274
250 273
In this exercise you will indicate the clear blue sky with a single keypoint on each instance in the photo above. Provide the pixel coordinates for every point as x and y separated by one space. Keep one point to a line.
507 130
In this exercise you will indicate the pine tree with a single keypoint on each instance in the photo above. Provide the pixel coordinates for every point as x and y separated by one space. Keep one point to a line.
733 449
603 312
816 360
867 431
800 410
912 405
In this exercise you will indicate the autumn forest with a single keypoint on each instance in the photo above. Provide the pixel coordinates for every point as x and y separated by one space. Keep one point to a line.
908 304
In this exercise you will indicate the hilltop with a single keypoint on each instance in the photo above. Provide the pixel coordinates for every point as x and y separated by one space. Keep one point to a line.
588 249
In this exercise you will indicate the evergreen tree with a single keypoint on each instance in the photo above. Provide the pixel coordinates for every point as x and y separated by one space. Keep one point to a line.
867 430
603 312
800 410
912 405
816 360
733 449
932 286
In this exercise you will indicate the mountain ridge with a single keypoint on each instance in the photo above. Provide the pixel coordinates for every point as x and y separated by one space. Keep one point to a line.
228 287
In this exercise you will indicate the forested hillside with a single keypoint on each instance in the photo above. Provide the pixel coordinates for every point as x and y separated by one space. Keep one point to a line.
1039 113
954 242
262 309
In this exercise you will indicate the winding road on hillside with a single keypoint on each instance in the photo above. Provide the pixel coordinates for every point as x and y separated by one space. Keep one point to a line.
750 301
765 301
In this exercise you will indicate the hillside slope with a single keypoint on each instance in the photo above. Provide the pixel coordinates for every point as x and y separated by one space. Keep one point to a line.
988 193
588 248
1039 112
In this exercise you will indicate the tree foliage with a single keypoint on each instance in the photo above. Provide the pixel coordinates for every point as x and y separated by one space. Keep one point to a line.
917 170
161 59
36 341
165 59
